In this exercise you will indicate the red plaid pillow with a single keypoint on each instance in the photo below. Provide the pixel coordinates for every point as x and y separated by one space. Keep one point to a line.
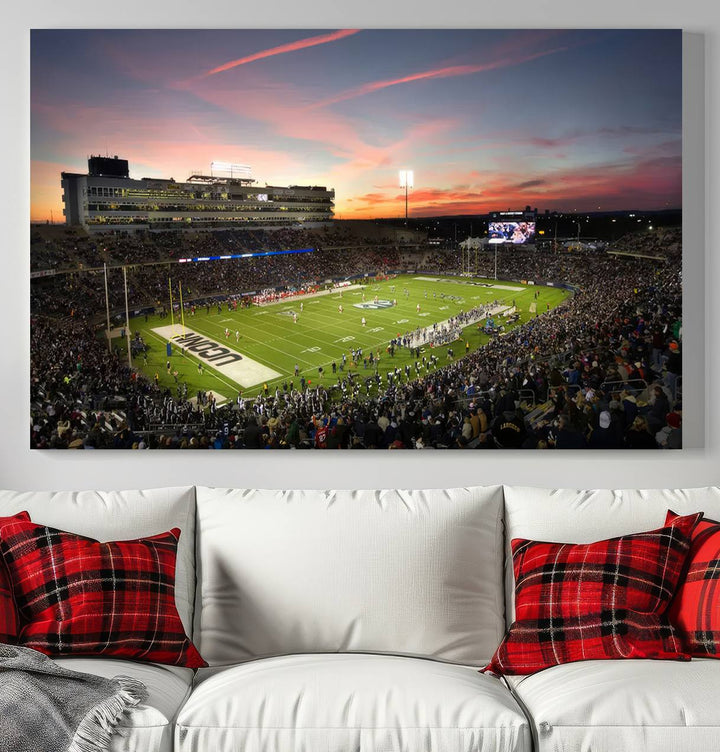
594 601
8 612
77 596
695 610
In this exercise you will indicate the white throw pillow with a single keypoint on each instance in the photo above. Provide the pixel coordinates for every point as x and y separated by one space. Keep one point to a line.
398 572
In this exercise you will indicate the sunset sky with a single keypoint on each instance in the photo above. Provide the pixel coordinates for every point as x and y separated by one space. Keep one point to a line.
487 119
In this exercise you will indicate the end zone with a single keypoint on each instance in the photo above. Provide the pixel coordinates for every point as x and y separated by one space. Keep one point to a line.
230 363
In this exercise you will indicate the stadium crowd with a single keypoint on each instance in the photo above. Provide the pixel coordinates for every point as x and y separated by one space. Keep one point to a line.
603 370
524 263
84 294
70 249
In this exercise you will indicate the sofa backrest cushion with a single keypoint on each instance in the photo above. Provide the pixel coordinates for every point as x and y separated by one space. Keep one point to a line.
121 515
396 572
564 515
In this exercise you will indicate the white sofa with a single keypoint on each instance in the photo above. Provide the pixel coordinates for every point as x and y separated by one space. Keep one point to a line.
356 621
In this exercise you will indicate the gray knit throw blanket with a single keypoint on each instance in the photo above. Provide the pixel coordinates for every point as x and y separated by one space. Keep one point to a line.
47 708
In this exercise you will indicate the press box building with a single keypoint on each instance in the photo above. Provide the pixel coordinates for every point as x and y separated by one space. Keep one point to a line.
107 198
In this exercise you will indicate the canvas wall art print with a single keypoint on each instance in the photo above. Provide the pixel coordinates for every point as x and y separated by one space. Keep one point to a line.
356 239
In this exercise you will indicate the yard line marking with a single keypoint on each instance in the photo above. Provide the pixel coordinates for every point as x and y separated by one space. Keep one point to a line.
261 342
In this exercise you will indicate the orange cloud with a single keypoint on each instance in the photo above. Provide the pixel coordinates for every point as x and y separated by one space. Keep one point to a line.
301 44
653 182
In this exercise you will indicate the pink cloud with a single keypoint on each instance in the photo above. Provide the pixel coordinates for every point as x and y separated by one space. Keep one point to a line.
168 144
346 148
301 44
446 72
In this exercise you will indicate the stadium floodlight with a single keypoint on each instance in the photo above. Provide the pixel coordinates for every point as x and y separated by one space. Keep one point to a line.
235 170
406 181
406 178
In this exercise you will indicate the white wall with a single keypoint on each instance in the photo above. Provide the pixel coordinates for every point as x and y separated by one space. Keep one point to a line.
700 465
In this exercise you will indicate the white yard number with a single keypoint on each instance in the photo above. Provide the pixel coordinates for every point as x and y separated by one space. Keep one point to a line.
346 339
401 321
312 349
376 329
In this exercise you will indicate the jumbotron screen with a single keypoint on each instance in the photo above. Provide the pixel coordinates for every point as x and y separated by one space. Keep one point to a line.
511 231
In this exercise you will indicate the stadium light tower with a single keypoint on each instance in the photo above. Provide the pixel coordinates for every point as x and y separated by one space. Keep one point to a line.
406 181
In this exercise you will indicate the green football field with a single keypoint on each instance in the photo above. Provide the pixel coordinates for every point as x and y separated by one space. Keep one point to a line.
271 343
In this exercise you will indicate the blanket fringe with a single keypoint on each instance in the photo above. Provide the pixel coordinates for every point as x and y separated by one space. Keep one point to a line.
96 730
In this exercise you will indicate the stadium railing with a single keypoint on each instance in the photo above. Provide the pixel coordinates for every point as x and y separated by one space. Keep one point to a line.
172 428
527 396
635 386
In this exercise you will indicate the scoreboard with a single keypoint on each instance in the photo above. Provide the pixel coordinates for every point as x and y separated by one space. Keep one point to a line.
515 227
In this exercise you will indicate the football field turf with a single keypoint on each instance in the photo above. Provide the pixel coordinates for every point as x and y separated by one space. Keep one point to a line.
271 343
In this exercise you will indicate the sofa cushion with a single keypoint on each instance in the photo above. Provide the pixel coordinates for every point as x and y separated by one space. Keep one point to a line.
695 610
599 600
609 706
121 515
338 703
571 516
77 596
402 572
149 727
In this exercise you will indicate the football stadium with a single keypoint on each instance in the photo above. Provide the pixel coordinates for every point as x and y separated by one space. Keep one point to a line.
355 335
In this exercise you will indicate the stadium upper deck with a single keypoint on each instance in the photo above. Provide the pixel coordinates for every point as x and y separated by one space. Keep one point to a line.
107 198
